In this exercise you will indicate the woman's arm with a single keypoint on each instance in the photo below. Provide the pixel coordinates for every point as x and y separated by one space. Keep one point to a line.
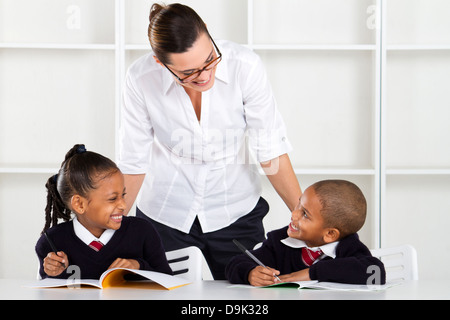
133 183
281 175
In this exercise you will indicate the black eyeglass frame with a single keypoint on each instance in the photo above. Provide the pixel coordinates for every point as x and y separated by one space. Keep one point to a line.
198 72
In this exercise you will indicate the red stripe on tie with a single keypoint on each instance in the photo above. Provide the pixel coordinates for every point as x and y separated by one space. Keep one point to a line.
309 256
96 245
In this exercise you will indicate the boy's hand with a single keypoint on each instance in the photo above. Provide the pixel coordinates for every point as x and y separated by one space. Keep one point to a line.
302 275
260 276
125 263
55 263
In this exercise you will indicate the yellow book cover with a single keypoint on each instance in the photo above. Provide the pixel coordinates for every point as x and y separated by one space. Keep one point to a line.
117 278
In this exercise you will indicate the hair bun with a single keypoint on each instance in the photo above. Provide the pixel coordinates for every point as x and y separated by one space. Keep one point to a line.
154 10
81 149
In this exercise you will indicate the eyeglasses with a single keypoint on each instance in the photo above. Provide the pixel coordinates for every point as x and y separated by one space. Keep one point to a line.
194 75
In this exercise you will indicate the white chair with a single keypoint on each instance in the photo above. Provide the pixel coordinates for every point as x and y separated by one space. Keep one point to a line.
400 262
186 262
38 275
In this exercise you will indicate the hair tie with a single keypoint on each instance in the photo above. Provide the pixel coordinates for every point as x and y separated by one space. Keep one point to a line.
55 178
81 149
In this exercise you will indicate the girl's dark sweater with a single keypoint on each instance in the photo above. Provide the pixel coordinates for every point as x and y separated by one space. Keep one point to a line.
135 239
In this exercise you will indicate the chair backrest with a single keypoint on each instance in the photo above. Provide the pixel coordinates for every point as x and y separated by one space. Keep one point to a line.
38 274
186 262
400 262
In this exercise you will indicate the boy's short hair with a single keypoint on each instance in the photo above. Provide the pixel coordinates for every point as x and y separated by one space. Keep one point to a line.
344 206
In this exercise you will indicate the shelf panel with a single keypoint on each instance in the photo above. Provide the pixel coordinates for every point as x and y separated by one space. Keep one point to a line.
225 19
417 47
299 47
68 99
315 22
28 170
53 21
71 46
335 171
329 47
298 171
319 112
430 171
417 21
417 109
331 172
416 211
138 47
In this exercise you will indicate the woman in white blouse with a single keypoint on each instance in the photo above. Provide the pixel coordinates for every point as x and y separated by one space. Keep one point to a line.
195 115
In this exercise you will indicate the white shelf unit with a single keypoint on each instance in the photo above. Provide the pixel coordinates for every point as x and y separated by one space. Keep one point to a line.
330 63
415 158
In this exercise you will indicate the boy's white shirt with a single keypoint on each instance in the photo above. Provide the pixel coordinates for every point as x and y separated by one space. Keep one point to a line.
87 237
328 249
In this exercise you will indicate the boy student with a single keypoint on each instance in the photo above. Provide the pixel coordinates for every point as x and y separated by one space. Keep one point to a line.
91 187
320 243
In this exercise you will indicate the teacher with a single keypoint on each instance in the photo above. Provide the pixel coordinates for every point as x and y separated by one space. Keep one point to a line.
196 113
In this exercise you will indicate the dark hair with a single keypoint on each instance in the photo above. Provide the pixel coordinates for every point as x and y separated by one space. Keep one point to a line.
80 172
173 29
343 205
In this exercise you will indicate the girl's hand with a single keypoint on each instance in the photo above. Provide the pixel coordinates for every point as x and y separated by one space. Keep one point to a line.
125 263
55 263
260 276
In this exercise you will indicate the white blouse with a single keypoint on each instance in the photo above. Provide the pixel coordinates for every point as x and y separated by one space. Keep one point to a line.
209 168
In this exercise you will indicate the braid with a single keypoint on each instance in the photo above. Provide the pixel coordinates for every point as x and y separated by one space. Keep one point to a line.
55 208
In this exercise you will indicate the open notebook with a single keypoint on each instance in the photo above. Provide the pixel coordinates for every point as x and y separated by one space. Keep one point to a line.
327 286
117 277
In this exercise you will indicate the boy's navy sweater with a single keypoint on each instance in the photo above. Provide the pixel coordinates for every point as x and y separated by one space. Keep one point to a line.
135 239
350 265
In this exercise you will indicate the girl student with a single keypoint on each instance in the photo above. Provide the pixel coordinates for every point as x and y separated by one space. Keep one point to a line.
88 194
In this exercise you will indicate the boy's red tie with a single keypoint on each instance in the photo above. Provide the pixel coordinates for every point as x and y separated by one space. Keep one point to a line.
309 256
96 245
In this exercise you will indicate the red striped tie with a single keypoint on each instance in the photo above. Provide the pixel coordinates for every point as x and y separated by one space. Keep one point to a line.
309 256
96 245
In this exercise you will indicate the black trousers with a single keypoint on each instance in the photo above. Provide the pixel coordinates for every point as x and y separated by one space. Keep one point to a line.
217 246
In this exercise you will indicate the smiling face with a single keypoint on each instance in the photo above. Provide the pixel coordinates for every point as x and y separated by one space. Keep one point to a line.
307 222
194 59
104 207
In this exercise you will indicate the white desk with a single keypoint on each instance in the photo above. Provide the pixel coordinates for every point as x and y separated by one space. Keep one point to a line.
220 290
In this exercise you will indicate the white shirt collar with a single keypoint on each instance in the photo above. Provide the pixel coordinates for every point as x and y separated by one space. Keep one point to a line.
87 237
167 80
222 70
328 249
